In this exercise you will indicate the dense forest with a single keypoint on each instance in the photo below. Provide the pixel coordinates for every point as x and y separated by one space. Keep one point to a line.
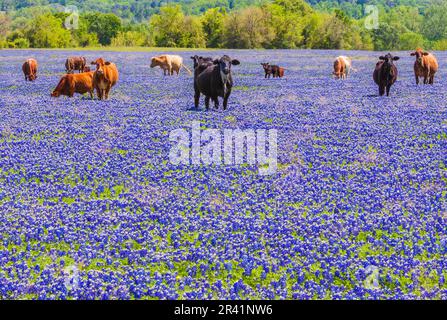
342 24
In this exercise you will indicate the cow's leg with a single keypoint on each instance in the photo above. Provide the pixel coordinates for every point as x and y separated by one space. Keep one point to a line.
432 78
207 102
381 90
388 87
91 94
216 102
107 91
196 98
227 95
417 79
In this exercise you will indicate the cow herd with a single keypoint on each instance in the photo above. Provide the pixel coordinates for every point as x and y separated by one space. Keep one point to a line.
213 76
385 72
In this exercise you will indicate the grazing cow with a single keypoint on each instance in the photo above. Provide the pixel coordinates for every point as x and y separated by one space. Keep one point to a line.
215 81
86 69
385 73
342 67
75 63
29 69
75 83
425 66
104 78
169 63
272 70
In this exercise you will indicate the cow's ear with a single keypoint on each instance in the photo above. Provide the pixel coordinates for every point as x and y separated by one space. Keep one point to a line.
396 58
107 63
93 62
235 62
193 58
413 54
425 53
381 58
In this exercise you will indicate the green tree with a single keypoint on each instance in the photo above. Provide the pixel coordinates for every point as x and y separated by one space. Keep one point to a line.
46 31
410 41
213 23
167 27
435 22
105 25
192 35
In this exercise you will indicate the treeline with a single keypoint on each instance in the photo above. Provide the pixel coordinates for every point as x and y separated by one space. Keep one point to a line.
130 10
276 24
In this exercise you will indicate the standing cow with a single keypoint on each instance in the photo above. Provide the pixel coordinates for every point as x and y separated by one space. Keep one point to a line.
75 63
200 65
385 73
272 70
425 66
342 67
215 81
29 69
104 78
169 63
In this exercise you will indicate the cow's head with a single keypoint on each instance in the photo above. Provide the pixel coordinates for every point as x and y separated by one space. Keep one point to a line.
154 62
201 60
265 65
195 59
100 63
86 69
32 77
419 53
388 60
225 63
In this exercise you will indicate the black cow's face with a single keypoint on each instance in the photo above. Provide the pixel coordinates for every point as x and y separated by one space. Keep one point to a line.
265 65
388 59
195 59
225 64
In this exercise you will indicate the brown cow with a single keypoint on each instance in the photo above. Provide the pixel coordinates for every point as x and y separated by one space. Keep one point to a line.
425 66
75 63
274 70
29 68
71 83
104 78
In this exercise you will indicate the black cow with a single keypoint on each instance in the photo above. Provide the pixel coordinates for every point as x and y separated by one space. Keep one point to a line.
215 81
385 73
200 64
198 60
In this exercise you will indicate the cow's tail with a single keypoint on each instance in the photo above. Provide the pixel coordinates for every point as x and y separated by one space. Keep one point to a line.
189 71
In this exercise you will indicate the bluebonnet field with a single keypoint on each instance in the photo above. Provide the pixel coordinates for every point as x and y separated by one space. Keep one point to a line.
91 208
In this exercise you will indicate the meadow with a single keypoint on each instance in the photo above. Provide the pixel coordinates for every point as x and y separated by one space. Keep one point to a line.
91 207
